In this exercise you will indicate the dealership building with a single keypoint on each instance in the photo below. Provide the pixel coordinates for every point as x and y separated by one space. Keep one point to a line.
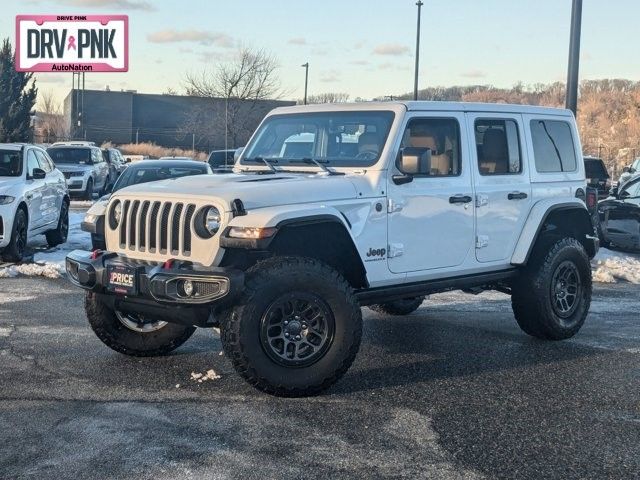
168 120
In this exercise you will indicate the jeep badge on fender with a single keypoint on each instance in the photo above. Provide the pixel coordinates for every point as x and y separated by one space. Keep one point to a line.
283 254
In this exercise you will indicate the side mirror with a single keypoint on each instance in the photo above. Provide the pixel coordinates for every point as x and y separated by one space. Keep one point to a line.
237 153
626 170
415 161
613 191
38 174
624 194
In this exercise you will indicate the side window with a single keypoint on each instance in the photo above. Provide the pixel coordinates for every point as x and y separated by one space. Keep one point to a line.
498 146
43 161
442 137
32 162
553 146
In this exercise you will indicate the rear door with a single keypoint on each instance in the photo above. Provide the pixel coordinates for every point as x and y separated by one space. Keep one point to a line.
430 221
503 189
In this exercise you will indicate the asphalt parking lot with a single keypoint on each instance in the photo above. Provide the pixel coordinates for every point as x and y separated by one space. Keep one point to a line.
454 390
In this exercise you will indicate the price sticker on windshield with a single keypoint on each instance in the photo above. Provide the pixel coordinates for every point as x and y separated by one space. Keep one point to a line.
72 43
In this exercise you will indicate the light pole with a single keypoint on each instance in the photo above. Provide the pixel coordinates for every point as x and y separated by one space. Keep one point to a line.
574 57
306 80
415 79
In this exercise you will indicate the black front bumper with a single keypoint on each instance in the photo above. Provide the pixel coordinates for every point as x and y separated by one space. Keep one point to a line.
158 287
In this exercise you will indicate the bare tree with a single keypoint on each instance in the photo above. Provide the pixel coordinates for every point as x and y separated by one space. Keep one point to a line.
50 125
328 97
242 83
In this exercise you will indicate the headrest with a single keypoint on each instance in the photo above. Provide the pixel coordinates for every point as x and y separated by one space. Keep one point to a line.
426 141
368 141
494 145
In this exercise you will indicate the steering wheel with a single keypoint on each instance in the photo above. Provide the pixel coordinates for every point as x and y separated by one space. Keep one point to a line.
367 155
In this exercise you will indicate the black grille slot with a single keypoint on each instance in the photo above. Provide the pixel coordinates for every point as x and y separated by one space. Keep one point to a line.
175 228
133 224
187 228
123 223
154 226
1 227
142 237
164 226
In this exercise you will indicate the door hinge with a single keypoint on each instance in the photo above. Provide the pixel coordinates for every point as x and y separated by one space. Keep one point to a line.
394 205
482 241
395 250
482 200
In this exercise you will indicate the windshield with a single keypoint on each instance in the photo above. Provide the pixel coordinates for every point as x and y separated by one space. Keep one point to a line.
10 163
78 156
135 176
339 139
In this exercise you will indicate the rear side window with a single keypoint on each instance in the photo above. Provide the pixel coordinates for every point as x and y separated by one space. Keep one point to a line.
553 146
498 146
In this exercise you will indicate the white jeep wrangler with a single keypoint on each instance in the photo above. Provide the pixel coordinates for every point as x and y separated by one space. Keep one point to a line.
334 207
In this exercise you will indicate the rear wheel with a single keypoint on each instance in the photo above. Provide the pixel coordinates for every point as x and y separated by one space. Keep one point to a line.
404 306
88 193
552 297
14 252
133 334
59 235
296 329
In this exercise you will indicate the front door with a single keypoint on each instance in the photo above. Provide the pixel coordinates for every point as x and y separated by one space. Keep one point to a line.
430 220
35 190
503 190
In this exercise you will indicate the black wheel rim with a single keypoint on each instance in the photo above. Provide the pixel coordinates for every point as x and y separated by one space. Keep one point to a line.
297 329
21 235
566 289
64 222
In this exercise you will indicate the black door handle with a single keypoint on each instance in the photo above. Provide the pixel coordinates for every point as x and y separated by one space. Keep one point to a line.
460 199
517 196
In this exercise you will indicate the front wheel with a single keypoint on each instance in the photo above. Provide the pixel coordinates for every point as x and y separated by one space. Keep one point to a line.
133 334
552 297
296 329
14 252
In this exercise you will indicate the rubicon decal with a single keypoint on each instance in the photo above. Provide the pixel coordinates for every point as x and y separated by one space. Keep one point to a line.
65 43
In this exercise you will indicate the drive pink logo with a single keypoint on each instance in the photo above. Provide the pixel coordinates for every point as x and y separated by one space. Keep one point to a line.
66 43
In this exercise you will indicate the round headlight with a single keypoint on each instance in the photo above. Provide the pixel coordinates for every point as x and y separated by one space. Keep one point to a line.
115 215
212 220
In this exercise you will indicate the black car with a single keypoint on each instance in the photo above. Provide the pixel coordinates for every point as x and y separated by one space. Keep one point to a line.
597 175
222 161
620 216
137 173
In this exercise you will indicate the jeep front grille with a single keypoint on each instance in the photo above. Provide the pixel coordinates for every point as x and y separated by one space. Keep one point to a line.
156 227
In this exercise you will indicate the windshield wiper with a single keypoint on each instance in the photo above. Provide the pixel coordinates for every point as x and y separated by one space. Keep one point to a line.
266 161
313 161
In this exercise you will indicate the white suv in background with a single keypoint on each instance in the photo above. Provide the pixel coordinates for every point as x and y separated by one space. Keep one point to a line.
33 199
84 167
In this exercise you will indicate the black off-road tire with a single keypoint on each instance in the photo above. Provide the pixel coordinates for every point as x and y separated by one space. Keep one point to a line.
115 335
404 306
14 252
59 235
266 284
533 295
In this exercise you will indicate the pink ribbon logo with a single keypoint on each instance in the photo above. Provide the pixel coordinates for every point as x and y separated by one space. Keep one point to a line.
72 43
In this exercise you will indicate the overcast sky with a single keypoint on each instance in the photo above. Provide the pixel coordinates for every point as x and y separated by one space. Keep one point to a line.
362 47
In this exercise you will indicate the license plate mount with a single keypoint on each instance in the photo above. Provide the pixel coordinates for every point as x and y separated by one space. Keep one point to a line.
122 279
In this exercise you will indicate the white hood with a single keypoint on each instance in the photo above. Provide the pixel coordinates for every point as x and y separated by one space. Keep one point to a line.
254 190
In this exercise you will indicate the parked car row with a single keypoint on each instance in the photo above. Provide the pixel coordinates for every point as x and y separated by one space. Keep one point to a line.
34 199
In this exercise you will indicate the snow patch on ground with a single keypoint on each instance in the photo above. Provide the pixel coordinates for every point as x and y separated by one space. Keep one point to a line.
203 377
609 267
49 262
